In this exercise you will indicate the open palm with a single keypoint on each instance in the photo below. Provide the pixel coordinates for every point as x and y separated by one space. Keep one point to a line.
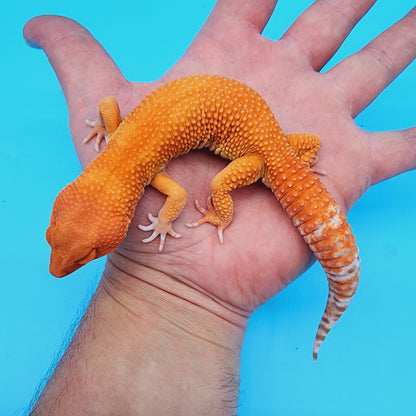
262 251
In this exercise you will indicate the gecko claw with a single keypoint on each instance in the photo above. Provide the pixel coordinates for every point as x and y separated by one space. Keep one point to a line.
221 235
319 171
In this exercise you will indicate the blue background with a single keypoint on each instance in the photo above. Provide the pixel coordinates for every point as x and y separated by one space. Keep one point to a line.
366 366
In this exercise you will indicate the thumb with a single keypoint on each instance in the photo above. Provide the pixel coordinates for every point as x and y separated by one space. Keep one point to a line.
84 69
81 64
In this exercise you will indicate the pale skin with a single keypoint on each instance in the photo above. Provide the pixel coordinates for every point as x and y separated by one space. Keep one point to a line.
175 322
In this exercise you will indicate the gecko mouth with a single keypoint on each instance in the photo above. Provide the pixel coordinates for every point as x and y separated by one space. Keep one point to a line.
90 256
57 269
60 266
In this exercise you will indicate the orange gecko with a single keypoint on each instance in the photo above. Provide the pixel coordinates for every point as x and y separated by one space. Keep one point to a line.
236 123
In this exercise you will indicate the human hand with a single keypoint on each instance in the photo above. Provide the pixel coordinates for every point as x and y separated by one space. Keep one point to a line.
246 270
135 338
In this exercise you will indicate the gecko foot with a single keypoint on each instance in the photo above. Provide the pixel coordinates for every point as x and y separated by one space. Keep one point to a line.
210 216
159 228
98 131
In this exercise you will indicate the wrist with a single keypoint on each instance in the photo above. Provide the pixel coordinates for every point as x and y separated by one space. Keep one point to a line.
186 342
177 303
147 344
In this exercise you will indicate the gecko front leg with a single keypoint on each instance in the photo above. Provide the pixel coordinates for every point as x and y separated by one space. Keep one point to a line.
175 201
107 122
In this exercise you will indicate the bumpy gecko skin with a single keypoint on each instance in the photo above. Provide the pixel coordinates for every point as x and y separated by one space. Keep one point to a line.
91 216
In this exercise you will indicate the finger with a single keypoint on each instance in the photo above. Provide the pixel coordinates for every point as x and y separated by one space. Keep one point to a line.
368 72
322 28
79 61
254 12
393 152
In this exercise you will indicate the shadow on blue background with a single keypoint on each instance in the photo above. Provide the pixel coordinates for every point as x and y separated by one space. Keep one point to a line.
367 365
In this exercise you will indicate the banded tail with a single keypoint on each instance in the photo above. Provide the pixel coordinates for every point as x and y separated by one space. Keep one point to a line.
323 226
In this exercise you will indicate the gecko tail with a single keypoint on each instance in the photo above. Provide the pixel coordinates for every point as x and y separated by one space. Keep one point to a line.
323 225
334 246
342 282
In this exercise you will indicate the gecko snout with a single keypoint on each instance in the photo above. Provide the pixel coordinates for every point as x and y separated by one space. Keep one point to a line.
68 254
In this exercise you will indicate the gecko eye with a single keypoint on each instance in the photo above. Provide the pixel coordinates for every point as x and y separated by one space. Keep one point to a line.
49 234
90 256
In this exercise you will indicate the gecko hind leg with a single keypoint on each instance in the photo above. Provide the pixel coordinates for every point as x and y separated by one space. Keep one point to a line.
240 172
306 147
210 217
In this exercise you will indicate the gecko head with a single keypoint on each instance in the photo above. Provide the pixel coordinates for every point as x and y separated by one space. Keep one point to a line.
80 231
67 257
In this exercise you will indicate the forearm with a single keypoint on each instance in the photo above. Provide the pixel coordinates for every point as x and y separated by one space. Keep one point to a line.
148 347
